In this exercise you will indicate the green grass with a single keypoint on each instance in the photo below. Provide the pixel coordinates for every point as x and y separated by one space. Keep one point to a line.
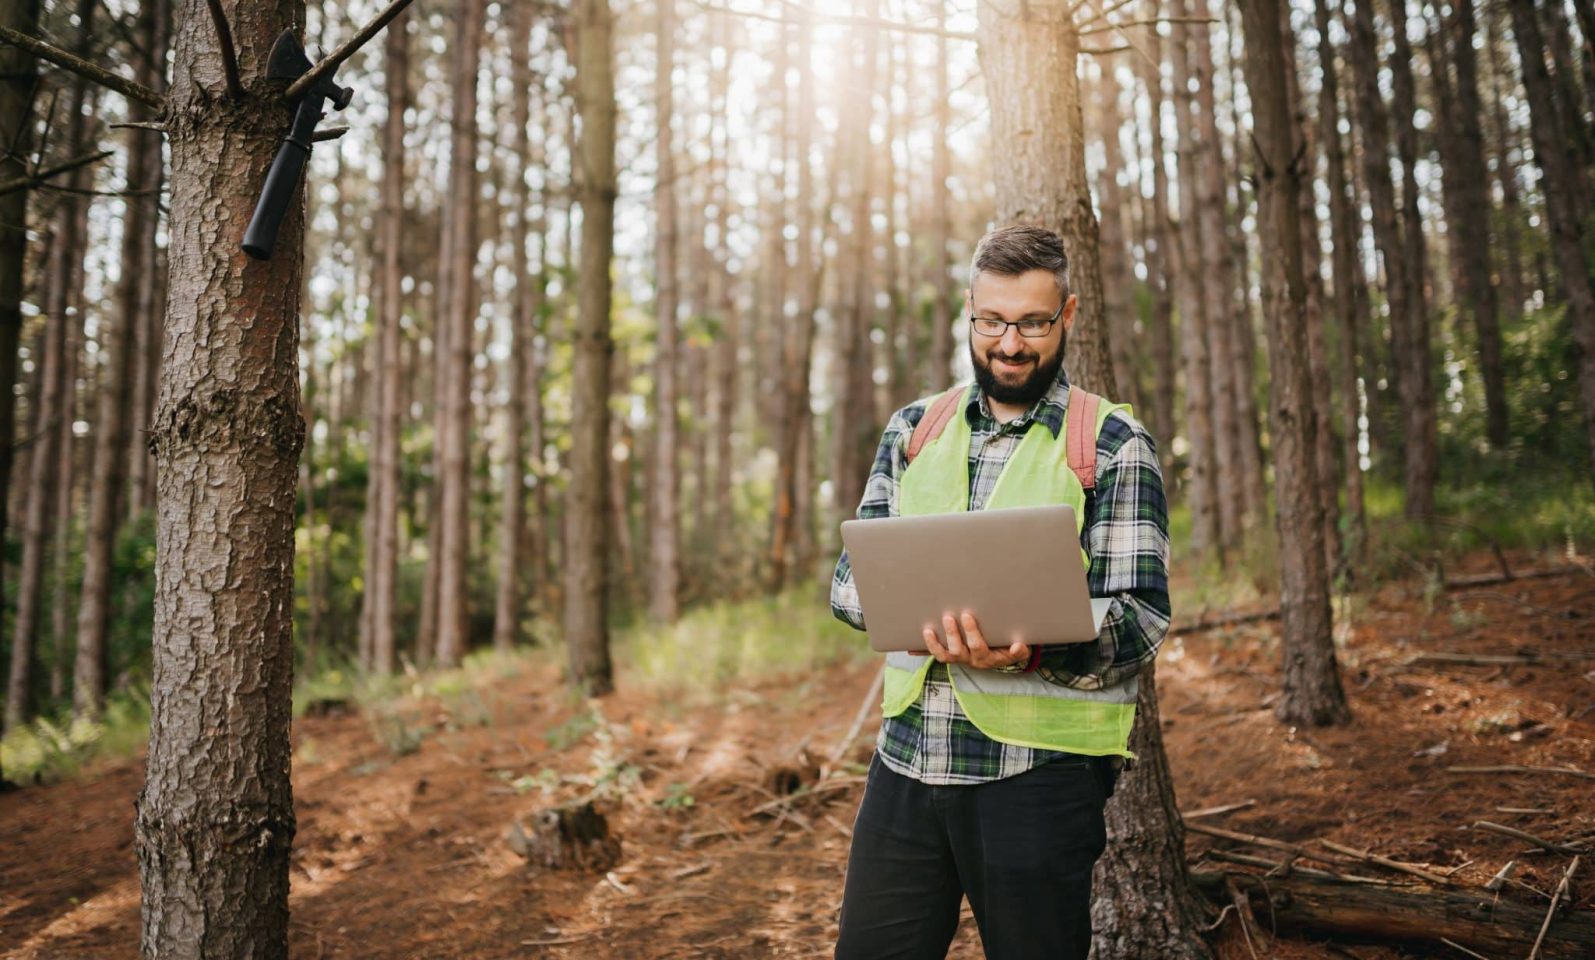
712 648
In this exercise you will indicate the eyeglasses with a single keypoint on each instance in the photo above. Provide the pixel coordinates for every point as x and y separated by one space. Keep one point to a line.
1031 328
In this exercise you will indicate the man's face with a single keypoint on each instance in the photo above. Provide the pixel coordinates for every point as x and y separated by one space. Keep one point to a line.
1011 368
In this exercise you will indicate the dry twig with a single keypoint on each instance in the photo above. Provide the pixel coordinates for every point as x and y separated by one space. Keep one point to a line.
1556 898
1370 857
1525 837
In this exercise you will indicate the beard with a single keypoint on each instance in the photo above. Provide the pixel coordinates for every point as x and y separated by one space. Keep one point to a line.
1022 387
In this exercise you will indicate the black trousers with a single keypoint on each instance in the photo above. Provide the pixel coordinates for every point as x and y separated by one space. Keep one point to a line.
1021 849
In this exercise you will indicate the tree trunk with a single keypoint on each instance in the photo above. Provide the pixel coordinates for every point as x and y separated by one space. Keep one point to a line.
1345 226
854 429
1566 196
664 538
1202 493
1159 265
790 491
453 604
66 470
111 420
1118 276
383 558
1312 693
586 629
1507 235
512 520
53 419
1030 62
18 74
215 820
725 547
1374 124
939 372
1217 283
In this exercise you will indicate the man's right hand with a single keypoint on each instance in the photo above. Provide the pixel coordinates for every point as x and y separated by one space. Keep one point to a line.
967 646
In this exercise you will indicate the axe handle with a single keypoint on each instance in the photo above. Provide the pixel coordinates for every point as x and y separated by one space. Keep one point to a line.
282 180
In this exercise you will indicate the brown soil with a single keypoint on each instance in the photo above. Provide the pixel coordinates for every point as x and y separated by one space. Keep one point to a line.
405 856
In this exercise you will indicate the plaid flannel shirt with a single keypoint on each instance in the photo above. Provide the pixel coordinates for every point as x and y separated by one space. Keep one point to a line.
1125 535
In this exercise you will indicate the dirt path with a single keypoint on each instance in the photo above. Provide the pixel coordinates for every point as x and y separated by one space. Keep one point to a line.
404 856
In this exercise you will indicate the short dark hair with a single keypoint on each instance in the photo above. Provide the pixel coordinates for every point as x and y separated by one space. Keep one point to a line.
1011 251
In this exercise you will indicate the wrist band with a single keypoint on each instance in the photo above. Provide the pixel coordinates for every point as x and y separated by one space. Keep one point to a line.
1035 660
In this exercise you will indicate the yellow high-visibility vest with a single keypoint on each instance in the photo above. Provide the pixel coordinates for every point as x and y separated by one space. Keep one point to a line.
1017 708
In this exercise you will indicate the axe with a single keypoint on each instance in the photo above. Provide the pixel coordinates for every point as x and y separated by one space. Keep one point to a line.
289 62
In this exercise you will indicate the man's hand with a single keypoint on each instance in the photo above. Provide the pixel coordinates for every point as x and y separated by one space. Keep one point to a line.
968 646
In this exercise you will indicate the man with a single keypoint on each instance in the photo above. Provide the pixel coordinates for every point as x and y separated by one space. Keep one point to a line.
1004 804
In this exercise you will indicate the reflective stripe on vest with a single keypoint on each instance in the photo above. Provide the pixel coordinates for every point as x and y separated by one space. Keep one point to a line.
1017 708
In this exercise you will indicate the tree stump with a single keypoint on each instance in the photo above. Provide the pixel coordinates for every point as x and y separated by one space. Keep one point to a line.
572 837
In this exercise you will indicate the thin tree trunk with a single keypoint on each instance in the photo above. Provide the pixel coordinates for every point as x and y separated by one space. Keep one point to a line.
1117 273
1507 235
453 604
215 821
382 562
111 453
66 472
1030 62
790 491
664 566
53 419
1159 264
1344 227
941 311
586 629
512 522
724 306
1566 193
1188 242
1312 693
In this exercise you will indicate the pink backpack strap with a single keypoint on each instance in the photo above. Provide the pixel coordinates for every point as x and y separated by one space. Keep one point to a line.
933 422
1080 430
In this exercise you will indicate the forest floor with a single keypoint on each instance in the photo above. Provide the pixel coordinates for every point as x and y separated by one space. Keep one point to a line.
402 818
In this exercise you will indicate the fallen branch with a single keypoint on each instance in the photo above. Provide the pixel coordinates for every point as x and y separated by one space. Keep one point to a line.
1495 659
89 71
1256 841
1369 857
1486 579
1515 768
1525 837
333 60
1215 811
871 698
1277 868
1556 898
1378 914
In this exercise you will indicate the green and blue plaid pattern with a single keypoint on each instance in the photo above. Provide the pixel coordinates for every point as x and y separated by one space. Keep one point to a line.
1125 535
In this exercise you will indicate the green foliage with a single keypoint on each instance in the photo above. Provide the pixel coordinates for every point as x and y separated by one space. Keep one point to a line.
52 748
713 648
678 796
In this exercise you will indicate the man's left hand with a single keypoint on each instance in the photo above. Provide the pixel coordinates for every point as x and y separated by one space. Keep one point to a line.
968 646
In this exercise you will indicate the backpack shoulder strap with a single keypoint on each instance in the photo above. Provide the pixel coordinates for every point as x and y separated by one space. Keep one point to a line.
1080 428
933 422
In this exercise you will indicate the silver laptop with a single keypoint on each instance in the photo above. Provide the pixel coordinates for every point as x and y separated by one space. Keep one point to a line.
1019 570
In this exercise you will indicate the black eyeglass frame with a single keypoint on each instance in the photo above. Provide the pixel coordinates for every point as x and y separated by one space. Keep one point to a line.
974 323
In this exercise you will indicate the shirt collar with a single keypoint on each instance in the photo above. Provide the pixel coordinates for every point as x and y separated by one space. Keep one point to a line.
1050 409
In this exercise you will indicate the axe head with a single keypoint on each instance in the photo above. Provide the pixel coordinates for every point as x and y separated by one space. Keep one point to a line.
288 61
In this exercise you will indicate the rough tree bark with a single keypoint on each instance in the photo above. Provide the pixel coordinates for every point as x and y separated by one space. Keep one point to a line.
1159 262
1312 693
215 820
586 629
1029 56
